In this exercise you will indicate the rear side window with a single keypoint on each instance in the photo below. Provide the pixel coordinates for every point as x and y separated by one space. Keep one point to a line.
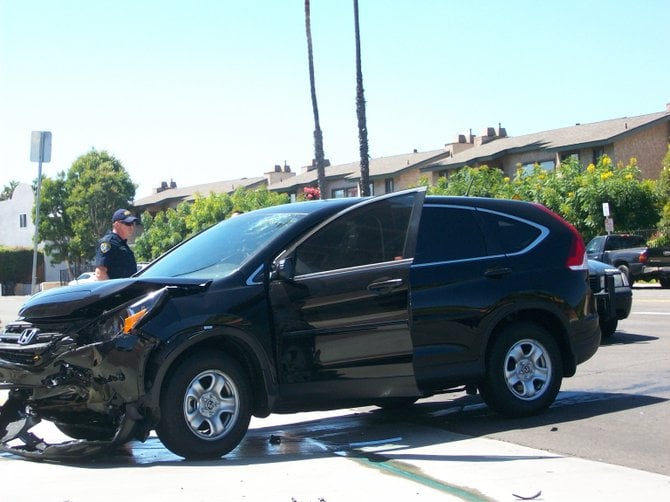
514 235
448 234
624 241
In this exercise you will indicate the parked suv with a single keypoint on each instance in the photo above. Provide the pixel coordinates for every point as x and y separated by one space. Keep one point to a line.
613 294
305 306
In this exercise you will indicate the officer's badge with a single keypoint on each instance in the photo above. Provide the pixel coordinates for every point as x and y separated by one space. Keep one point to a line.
105 246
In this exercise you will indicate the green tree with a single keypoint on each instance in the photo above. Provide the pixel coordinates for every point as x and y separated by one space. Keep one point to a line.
579 194
662 237
169 228
481 181
574 192
8 190
77 206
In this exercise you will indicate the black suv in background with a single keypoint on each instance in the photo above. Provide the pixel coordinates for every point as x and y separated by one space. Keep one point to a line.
305 306
613 294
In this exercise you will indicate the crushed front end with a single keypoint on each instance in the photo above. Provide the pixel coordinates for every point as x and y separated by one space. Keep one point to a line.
82 371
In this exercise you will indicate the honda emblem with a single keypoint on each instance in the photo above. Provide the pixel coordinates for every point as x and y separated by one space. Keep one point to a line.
27 336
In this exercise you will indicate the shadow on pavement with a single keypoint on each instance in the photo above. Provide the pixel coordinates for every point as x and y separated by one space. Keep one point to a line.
381 435
624 338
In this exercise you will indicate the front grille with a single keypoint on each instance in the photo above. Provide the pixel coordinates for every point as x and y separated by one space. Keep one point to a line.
594 282
24 344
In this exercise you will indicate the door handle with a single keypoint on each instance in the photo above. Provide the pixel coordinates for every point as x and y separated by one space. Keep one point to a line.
384 287
497 272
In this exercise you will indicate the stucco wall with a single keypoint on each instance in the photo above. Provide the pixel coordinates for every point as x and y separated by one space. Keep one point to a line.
11 233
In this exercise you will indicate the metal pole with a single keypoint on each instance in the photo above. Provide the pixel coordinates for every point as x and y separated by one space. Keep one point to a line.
37 217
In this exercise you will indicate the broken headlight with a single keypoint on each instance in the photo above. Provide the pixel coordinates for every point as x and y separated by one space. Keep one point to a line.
130 316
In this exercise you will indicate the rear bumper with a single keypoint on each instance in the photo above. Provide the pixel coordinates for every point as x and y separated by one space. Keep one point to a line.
655 273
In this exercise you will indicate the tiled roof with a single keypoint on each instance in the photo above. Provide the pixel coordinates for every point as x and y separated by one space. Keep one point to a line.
382 166
566 138
188 193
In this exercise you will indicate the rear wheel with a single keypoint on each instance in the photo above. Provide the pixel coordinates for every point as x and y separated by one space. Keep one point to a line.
205 406
523 371
665 283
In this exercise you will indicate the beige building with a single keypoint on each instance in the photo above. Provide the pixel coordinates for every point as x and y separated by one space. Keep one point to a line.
644 137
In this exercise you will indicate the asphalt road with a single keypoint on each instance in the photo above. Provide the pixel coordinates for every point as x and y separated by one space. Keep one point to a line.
615 409
605 438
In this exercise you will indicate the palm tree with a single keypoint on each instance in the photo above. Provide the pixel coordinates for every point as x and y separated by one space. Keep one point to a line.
318 135
364 187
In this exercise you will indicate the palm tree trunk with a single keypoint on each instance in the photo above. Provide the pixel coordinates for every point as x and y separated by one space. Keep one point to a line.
318 135
364 186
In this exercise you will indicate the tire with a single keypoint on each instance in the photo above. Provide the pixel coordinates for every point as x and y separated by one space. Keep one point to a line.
87 432
665 283
608 327
205 406
626 271
523 371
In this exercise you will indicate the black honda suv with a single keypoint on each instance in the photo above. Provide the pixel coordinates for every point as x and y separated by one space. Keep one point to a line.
305 306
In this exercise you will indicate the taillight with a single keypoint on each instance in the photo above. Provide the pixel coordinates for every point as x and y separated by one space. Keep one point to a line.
577 258
643 257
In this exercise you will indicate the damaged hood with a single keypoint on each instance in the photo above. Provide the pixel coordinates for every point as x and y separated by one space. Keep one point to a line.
91 299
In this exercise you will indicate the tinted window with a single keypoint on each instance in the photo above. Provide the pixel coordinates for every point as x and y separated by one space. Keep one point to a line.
513 235
624 241
448 233
374 233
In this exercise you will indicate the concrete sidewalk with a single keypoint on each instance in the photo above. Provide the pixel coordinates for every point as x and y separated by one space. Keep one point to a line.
452 467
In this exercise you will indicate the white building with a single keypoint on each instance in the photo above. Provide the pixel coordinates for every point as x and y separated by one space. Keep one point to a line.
17 228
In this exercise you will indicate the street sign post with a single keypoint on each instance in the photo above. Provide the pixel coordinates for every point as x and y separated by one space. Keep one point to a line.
40 151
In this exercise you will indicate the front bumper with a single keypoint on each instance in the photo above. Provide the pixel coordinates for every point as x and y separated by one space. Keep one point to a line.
70 384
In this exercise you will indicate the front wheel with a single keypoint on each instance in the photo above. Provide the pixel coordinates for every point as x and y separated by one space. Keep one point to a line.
205 407
608 327
665 283
523 371
626 271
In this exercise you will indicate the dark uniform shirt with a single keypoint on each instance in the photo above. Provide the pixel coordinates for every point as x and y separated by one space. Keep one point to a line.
114 253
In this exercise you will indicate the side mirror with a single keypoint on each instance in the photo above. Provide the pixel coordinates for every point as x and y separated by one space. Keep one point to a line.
284 269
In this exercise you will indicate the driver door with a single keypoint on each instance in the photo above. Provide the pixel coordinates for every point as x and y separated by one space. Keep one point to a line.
342 317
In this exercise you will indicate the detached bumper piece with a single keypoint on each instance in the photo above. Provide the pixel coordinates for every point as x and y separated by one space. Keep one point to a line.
16 438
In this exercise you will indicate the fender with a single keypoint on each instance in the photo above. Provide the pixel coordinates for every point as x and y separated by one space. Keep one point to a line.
235 341
546 314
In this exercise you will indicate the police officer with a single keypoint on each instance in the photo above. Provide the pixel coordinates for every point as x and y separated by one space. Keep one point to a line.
113 257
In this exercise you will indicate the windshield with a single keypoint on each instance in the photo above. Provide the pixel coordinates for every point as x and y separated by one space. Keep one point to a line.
223 248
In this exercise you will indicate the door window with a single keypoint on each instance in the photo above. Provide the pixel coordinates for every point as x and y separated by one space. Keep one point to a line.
374 233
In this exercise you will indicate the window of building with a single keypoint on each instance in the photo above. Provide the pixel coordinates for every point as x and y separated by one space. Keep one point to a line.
569 156
388 185
339 193
547 165
597 154
23 221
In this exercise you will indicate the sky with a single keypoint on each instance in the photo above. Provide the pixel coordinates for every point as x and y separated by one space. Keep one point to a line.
209 90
